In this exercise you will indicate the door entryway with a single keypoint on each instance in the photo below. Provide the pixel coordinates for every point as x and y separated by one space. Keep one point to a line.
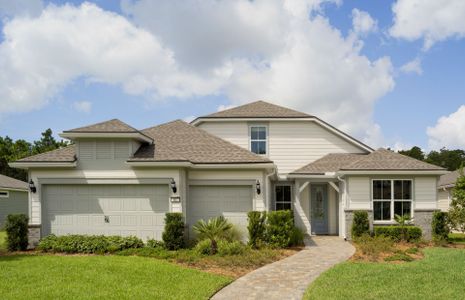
319 208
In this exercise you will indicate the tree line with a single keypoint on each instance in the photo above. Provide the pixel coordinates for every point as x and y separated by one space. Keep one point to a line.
12 150
449 159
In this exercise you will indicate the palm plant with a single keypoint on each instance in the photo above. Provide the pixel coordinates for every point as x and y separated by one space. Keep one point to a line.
403 221
214 230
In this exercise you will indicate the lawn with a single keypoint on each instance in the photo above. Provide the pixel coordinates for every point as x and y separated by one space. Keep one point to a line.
2 241
440 275
102 277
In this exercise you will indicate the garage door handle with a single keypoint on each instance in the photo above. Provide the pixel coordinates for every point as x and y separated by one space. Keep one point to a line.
107 219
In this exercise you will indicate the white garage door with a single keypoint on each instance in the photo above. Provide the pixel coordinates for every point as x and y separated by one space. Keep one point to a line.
105 209
232 202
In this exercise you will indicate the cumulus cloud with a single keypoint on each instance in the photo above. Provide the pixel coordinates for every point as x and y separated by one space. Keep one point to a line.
449 131
83 106
285 52
362 22
20 7
430 20
413 66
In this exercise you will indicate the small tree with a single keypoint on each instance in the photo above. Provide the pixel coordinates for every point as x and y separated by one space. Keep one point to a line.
256 228
403 221
213 230
457 209
360 224
439 226
16 232
173 235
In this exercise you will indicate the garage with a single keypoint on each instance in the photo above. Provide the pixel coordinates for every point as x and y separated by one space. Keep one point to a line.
124 210
232 202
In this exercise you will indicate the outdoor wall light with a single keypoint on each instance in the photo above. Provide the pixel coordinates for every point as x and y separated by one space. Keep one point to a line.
257 186
173 185
32 187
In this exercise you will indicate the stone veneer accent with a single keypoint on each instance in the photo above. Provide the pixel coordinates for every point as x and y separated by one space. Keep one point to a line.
423 219
349 216
33 236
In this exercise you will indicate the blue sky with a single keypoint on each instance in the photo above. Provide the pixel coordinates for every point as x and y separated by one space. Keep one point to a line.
388 105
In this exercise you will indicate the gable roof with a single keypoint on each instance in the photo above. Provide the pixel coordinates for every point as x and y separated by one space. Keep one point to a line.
449 179
66 154
258 109
180 141
379 160
113 125
12 183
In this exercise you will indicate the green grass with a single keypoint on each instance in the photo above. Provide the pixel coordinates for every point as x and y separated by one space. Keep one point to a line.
457 238
102 277
440 275
2 241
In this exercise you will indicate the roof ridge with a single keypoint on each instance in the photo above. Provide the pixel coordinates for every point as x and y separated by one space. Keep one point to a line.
101 123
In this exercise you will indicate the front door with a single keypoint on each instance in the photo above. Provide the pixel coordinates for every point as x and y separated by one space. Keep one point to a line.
319 208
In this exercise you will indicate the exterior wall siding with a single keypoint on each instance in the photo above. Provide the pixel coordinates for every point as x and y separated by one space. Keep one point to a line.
359 193
425 196
444 199
15 203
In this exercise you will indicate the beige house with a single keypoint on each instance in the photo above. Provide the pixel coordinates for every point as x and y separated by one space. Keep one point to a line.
13 197
445 185
116 179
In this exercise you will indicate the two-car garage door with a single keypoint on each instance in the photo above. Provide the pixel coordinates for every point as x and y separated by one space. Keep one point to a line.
105 209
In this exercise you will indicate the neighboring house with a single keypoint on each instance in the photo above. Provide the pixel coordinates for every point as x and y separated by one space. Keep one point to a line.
119 180
445 185
13 197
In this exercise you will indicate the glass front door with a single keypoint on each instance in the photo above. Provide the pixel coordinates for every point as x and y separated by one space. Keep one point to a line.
319 208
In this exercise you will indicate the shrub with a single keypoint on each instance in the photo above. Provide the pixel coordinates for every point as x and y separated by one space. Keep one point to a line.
226 248
297 237
152 243
88 244
256 228
233 234
397 233
204 247
279 229
173 235
214 230
16 231
360 224
439 226
457 205
374 246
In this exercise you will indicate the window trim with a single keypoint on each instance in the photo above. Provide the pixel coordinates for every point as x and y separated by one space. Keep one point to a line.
4 194
392 200
259 140
291 190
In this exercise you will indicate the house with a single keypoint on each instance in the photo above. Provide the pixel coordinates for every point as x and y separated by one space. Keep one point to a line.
445 185
13 197
116 179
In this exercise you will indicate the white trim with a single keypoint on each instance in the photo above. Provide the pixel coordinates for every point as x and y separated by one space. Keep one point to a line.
323 124
290 185
133 135
312 176
4 194
266 140
13 189
234 166
335 187
36 164
392 200
159 163
393 172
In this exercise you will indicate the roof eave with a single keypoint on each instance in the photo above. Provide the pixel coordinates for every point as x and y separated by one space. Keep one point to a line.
391 172
3 188
43 164
133 135
148 163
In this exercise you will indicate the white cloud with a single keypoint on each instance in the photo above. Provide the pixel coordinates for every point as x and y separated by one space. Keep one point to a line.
449 131
225 107
430 20
83 106
20 7
189 119
413 66
362 22
243 50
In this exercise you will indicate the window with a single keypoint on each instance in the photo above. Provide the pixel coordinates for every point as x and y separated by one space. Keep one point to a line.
283 197
4 194
390 198
258 139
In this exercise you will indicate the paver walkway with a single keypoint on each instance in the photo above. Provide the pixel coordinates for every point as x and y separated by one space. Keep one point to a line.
290 277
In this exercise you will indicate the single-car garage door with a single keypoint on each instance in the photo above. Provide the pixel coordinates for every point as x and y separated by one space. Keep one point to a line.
232 202
105 209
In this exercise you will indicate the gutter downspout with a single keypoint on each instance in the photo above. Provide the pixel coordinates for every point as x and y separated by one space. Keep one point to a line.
344 205
268 189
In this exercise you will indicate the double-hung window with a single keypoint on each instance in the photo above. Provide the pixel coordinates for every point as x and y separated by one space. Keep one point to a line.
283 197
258 141
391 197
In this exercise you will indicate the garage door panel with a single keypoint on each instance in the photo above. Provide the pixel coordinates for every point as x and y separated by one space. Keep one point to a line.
83 208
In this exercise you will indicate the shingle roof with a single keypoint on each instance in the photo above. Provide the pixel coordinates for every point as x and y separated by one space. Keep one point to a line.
379 160
329 163
449 179
113 125
179 141
12 183
66 154
258 109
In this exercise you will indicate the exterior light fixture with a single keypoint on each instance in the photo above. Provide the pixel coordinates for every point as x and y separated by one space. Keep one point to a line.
173 185
32 187
258 188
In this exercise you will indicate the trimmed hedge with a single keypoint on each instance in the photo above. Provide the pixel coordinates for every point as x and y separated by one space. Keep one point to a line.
396 233
173 235
16 232
88 244
257 228
360 224
279 229
439 226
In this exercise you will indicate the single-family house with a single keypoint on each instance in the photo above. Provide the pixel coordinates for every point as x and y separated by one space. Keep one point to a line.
115 179
445 185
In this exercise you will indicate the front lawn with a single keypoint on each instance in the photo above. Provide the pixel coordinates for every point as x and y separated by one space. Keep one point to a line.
102 277
2 241
440 275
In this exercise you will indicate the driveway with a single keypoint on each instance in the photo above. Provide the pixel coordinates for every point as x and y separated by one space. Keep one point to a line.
290 277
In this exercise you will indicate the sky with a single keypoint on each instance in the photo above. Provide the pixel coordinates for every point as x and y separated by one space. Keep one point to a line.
390 73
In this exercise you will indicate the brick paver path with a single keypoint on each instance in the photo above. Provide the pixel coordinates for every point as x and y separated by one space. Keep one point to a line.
290 277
